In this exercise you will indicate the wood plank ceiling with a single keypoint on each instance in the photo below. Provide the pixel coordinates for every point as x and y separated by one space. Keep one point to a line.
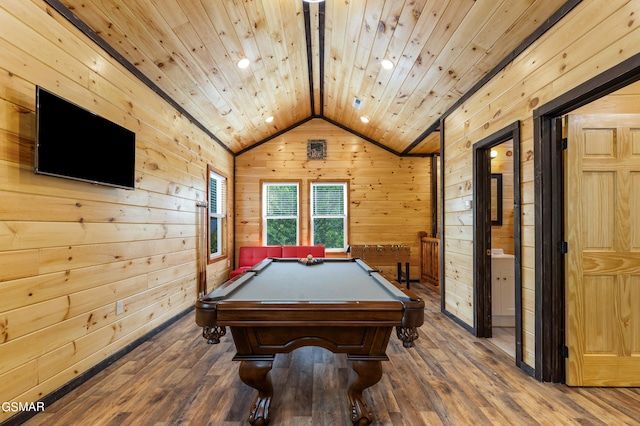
312 60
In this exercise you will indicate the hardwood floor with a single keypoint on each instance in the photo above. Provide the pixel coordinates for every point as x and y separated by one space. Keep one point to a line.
505 339
449 378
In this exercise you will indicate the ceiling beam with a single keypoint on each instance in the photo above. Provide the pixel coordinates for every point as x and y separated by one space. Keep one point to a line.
321 31
275 135
307 32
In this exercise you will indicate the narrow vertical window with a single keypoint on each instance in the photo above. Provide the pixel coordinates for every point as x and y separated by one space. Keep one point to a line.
217 214
329 215
280 213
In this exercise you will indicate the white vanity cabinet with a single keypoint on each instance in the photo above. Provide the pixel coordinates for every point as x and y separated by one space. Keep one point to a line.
503 303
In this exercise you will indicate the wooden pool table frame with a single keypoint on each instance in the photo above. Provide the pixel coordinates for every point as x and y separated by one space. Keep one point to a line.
261 330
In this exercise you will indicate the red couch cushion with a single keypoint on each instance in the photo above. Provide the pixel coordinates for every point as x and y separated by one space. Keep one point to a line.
299 252
250 255
238 271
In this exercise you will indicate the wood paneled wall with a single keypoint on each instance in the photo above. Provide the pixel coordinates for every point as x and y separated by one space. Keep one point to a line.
591 38
389 198
623 101
70 250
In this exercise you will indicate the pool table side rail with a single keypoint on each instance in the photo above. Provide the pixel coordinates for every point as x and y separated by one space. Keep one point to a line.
215 309
227 289
256 314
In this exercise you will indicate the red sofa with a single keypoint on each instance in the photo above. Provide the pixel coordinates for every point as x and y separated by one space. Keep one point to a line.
299 252
250 255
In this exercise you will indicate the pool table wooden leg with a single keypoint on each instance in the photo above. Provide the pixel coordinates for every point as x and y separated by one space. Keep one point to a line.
365 373
255 373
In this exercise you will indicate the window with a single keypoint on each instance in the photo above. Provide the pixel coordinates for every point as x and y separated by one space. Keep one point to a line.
217 214
280 213
329 215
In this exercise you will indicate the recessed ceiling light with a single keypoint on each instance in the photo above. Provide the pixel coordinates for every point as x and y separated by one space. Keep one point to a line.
269 119
243 63
387 64
364 119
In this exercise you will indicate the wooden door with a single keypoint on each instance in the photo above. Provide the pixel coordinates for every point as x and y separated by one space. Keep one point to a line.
602 266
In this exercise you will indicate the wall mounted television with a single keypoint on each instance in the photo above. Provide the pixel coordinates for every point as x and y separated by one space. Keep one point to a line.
74 143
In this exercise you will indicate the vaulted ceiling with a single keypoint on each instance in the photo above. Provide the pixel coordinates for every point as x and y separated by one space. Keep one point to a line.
309 60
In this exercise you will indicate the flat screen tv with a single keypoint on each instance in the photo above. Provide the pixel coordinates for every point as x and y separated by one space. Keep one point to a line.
74 143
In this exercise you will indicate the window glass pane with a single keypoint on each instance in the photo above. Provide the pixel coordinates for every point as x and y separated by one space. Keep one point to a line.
280 212
282 200
329 232
328 199
329 214
213 195
213 236
282 232
217 214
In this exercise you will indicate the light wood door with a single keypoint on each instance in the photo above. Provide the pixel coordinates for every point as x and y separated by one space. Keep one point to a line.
602 269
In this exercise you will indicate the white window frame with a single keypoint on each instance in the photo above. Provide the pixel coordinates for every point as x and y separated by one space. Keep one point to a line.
296 216
344 216
217 210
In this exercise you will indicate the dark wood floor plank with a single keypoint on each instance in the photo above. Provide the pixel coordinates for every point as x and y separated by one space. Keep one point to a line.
449 378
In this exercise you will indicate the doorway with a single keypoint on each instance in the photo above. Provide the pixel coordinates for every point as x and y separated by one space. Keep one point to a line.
502 248
550 241
602 230
497 247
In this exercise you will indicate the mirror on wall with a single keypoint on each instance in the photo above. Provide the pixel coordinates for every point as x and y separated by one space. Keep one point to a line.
496 199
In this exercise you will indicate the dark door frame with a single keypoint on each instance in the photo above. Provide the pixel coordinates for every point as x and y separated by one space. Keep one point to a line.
549 212
482 232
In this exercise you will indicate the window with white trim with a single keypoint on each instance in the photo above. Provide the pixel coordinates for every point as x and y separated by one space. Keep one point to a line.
217 203
280 213
329 215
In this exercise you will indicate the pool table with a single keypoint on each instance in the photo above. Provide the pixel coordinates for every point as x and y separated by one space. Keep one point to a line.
342 305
